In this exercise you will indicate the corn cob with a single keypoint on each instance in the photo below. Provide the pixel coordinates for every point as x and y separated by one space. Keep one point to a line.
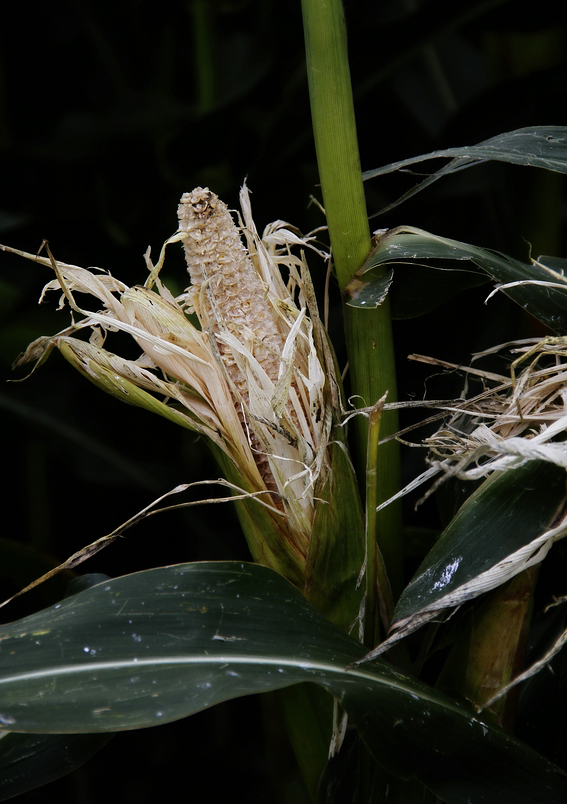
228 295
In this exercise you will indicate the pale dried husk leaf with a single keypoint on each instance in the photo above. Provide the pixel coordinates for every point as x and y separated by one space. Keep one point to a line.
262 390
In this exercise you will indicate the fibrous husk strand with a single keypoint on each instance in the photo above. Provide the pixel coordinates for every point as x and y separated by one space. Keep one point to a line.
515 419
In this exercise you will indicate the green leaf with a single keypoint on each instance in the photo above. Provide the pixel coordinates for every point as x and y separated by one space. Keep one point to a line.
419 289
262 529
544 295
159 645
371 294
307 712
537 146
334 563
415 290
28 761
507 525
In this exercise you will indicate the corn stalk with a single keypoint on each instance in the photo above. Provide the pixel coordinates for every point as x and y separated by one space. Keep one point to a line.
368 332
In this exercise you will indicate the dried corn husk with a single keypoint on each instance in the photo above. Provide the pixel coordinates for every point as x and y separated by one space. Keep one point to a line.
256 377
517 418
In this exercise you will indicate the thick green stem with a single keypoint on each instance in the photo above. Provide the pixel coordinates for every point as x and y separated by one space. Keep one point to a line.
378 592
334 129
368 332
372 374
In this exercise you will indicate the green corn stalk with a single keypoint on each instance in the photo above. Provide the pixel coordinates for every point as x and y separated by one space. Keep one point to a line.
368 332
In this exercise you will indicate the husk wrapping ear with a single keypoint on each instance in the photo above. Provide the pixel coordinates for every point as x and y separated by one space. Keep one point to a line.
257 378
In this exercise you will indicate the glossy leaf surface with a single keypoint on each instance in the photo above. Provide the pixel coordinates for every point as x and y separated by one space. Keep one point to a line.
543 291
508 524
159 645
534 146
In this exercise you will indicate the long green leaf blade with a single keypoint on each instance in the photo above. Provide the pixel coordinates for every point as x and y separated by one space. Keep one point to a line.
543 291
508 524
159 645
536 146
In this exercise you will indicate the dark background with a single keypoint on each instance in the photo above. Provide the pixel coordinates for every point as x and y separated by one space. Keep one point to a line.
108 113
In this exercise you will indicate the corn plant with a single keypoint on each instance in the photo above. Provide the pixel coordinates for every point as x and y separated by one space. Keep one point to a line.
322 615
